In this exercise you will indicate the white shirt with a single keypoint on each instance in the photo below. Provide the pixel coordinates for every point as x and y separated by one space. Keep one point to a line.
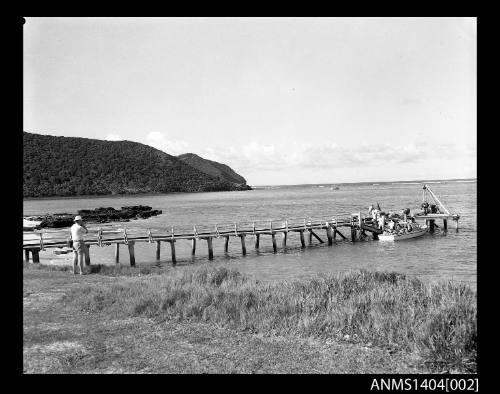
381 221
77 232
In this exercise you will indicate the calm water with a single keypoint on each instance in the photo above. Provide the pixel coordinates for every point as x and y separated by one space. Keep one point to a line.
451 255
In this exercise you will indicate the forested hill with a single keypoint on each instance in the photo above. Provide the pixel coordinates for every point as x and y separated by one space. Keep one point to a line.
70 166
212 168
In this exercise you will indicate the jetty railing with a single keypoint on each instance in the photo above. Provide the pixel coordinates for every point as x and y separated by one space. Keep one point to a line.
117 234
106 234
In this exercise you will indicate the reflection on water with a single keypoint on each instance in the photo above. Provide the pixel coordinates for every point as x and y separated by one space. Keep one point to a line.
449 255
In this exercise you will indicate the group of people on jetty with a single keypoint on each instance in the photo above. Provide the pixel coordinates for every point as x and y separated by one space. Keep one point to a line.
391 222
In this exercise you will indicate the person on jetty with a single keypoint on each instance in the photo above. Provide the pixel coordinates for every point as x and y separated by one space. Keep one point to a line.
78 231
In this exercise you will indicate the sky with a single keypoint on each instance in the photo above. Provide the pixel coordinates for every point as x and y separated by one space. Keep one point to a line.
279 100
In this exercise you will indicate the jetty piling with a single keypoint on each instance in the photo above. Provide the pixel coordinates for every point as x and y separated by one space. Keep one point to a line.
431 225
158 248
302 241
329 234
172 250
131 253
36 256
210 248
87 255
193 247
243 247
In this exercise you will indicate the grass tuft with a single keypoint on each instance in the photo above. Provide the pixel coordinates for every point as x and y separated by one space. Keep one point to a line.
384 308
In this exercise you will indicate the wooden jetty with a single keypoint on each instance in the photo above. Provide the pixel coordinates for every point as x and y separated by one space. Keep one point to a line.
34 241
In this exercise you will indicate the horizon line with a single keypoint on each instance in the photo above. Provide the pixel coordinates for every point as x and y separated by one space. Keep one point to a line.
380 182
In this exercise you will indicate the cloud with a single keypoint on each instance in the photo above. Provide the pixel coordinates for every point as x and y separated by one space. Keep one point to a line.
256 156
172 147
113 137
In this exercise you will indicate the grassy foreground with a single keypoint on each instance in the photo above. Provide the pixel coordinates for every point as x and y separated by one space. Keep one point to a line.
368 317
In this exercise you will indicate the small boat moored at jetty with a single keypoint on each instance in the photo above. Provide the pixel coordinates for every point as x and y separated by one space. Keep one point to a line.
418 232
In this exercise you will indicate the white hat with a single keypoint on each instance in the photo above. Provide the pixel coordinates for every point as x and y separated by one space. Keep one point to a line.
78 218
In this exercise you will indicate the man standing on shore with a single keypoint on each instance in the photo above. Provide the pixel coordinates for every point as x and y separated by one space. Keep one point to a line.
78 231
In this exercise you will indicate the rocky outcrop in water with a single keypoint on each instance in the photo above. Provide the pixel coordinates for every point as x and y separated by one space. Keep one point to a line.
98 215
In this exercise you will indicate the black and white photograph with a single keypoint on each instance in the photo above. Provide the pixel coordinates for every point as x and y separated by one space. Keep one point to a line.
251 195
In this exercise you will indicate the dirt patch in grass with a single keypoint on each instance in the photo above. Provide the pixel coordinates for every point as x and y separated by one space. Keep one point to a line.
72 325
140 346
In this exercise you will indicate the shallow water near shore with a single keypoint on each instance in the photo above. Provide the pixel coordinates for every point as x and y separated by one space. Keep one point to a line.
440 256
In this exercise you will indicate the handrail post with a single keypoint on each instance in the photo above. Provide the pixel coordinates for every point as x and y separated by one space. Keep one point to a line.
125 237
41 241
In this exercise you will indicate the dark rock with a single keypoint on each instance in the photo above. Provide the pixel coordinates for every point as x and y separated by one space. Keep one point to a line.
137 208
57 221
98 215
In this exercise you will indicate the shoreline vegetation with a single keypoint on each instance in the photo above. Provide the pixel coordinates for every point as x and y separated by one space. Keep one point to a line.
138 194
383 313
73 166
